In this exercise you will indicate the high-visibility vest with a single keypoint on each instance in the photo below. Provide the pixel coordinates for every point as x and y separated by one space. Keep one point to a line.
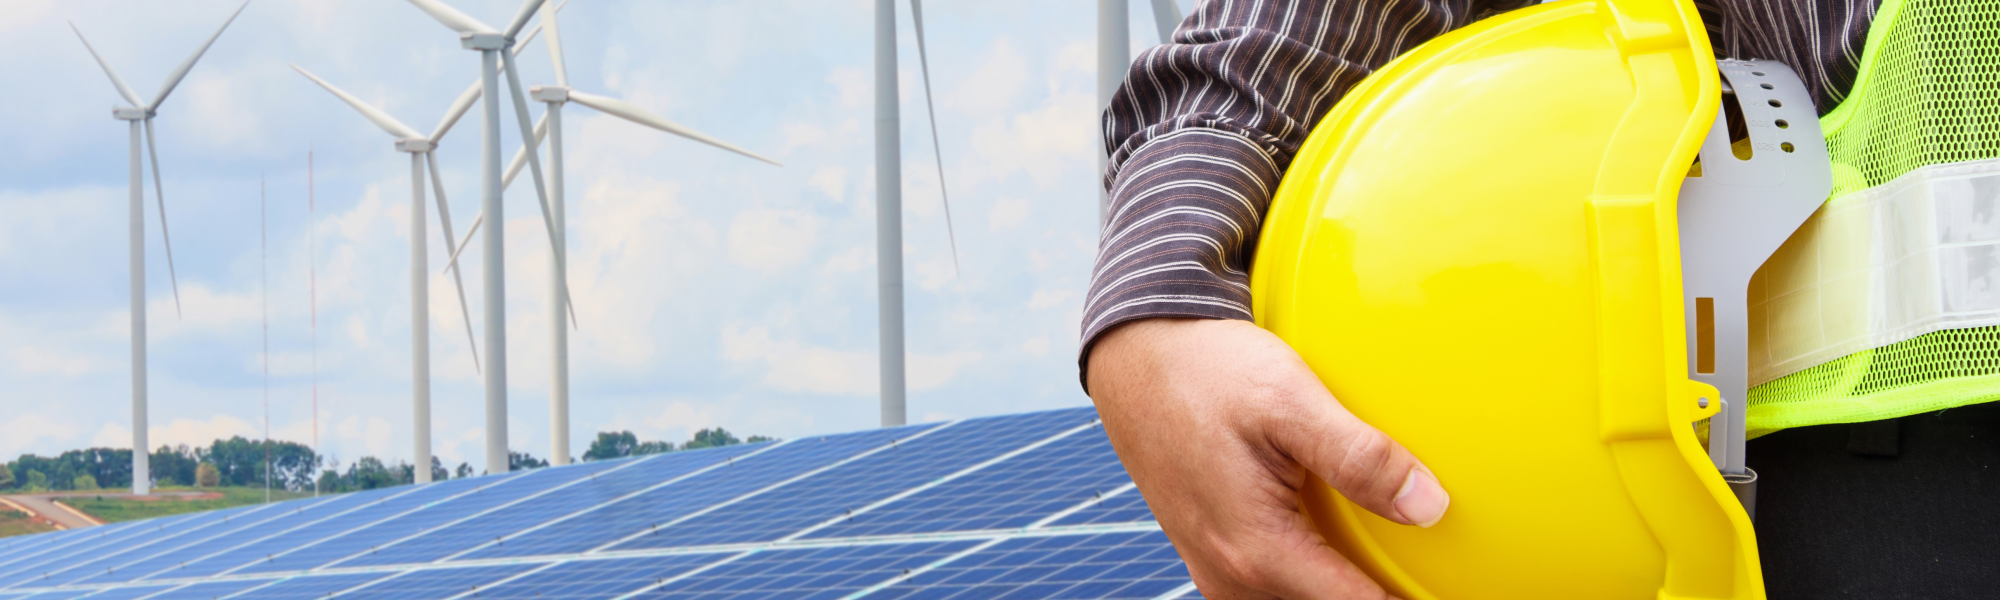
1887 301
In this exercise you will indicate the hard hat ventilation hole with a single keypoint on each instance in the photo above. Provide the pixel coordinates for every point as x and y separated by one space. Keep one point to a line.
1766 86
1783 124
1787 147
1739 130
1757 73
1704 335
1776 104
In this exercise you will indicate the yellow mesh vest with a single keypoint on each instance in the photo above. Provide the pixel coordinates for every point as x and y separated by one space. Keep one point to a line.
1887 302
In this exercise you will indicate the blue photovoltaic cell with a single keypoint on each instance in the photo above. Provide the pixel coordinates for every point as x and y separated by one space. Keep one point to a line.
638 514
1128 507
483 537
315 587
581 532
435 584
309 587
172 553
1135 566
133 561
333 539
265 555
31 569
1014 493
597 579
295 515
494 519
207 590
429 535
816 573
800 505
467 502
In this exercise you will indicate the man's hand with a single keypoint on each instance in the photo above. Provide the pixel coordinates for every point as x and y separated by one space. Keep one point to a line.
1219 422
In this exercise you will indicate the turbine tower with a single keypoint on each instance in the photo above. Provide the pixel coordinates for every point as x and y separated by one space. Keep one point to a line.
889 200
139 115
420 149
1114 56
493 46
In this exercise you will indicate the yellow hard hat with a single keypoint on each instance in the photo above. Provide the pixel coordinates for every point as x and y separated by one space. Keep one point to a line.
1478 252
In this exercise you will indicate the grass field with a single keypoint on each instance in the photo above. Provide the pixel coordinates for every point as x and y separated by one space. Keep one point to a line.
112 510
13 522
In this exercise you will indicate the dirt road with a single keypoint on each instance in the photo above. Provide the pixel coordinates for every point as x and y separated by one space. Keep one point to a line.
44 506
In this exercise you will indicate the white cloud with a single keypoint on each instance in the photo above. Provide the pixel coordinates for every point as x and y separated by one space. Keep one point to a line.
831 181
49 361
1049 299
1008 212
771 240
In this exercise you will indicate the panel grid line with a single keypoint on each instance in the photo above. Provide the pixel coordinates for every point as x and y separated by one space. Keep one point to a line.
488 511
721 464
940 481
761 491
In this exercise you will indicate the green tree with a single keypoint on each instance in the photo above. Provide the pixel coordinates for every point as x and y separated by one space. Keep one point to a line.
645 448
37 482
84 482
6 477
207 475
463 471
758 439
711 438
438 472
521 461
611 444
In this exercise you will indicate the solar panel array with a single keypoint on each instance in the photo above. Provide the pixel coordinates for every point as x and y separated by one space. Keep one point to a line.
1021 506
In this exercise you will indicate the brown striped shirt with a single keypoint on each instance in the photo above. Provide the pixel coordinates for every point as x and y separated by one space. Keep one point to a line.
1205 126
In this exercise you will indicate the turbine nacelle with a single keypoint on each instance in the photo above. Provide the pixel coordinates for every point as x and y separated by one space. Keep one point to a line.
483 41
129 113
415 145
549 93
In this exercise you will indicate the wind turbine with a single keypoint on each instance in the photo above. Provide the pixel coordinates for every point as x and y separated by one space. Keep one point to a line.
420 149
889 200
493 46
556 96
140 115
1114 56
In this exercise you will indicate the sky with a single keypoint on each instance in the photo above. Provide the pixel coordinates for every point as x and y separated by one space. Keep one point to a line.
710 290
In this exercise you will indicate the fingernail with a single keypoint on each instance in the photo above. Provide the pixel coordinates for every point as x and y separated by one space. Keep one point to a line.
1422 500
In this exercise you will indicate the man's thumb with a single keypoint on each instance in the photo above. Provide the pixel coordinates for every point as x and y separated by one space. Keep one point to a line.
1365 466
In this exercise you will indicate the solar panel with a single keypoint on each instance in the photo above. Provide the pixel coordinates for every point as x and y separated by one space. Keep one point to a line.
1022 506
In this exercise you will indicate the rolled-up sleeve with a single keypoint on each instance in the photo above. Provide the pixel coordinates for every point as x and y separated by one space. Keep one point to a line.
1205 126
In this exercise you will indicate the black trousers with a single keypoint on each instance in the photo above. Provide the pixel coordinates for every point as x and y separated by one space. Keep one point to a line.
1906 508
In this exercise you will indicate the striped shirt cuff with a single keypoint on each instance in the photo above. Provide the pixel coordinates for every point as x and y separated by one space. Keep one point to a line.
1185 211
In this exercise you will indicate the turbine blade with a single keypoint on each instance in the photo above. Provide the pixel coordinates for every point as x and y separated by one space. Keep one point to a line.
465 242
626 111
930 108
451 17
1166 16
444 222
181 72
458 107
521 156
376 116
161 194
471 94
527 11
123 90
532 148
554 42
